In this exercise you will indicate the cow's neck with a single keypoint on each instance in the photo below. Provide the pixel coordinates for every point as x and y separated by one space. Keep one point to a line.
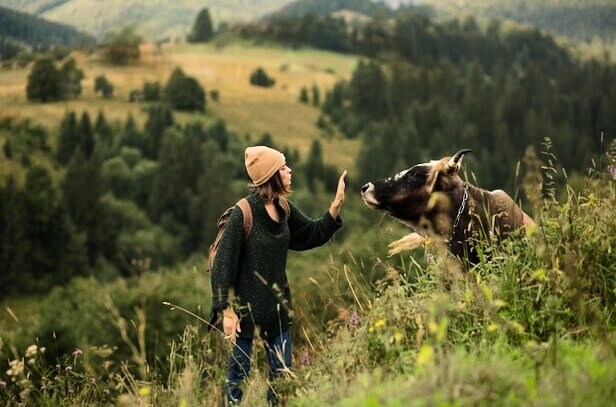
466 222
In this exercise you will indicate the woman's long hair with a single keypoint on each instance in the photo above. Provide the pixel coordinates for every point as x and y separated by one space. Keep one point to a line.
272 189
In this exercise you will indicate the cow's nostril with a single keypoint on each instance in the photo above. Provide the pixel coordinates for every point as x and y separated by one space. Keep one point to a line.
365 188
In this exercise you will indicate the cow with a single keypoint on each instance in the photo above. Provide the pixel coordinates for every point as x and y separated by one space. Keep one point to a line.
435 202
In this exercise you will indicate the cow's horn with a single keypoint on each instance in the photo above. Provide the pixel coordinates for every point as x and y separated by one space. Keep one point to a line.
454 162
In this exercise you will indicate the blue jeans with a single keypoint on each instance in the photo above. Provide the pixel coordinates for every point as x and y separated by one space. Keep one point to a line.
276 348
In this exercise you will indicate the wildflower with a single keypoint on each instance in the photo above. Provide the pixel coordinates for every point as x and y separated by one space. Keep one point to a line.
31 361
107 363
425 355
430 258
42 349
31 351
305 358
68 369
379 324
93 381
77 352
612 171
398 336
106 392
2 383
144 391
354 319
492 327
183 403
17 368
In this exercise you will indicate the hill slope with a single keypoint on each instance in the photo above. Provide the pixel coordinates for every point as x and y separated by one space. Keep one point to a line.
154 19
26 29
576 19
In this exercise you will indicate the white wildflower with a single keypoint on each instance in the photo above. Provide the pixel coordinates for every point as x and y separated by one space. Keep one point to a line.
31 351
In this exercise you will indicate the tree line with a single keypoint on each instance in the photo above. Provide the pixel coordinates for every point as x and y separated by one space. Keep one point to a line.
426 88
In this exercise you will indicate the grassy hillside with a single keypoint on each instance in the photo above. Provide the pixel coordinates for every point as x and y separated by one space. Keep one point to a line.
154 19
246 109
578 20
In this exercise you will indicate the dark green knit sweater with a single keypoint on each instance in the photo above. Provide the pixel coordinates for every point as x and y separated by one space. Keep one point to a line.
255 268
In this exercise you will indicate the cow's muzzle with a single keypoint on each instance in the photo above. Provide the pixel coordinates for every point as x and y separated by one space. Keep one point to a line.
367 194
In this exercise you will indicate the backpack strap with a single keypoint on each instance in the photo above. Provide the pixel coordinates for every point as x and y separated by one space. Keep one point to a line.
244 205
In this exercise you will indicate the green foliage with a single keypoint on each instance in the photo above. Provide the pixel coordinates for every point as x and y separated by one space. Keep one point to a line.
103 86
122 47
184 92
87 135
81 192
103 130
316 95
44 81
303 95
160 117
151 91
260 78
202 30
47 83
70 79
68 138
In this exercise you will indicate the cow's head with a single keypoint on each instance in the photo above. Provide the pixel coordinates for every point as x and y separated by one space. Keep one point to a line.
409 194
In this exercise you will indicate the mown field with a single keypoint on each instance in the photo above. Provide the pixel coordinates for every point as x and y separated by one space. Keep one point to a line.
246 109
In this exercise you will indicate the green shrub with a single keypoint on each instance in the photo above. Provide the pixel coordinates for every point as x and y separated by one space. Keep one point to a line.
260 78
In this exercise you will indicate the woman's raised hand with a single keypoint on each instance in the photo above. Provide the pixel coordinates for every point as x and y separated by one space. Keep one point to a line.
334 209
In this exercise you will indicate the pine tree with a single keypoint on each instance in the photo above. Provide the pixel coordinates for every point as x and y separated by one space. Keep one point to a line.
316 97
81 192
87 135
131 136
8 150
303 95
68 138
314 169
159 118
102 128
53 255
14 245
202 30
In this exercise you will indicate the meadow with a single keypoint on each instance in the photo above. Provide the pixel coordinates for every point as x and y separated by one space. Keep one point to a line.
247 109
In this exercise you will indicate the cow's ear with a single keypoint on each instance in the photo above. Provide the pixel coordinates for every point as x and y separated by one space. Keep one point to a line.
438 168
455 162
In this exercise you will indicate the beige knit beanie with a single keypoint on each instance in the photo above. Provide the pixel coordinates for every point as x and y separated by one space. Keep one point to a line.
262 162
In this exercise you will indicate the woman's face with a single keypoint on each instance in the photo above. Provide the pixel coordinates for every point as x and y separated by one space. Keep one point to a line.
285 175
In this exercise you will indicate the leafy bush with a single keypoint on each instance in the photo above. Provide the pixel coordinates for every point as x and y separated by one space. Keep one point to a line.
103 86
151 91
184 92
260 78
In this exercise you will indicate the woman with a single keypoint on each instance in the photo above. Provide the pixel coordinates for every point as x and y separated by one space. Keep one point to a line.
254 268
